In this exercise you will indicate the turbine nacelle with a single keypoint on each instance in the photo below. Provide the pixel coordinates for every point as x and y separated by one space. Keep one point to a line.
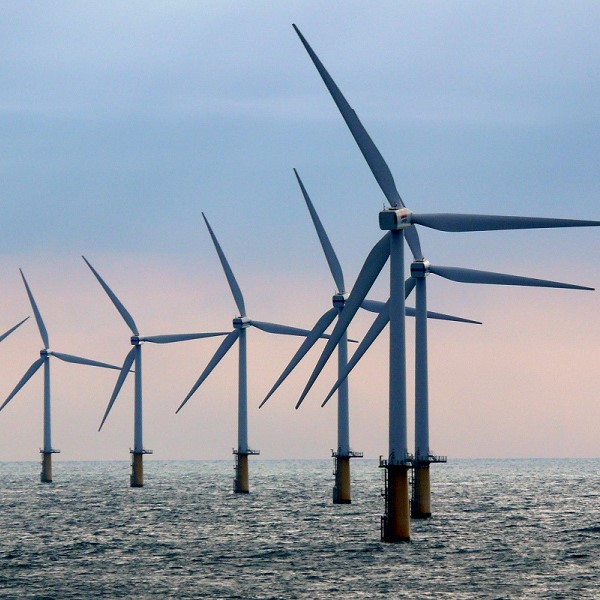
339 300
420 268
241 323
393 219
135 340
46 352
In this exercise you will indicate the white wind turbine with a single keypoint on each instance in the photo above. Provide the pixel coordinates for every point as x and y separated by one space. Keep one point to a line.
47 451
399 222
342 492
240 324
134 358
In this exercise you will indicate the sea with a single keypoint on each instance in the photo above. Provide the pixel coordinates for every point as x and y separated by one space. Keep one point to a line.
524 528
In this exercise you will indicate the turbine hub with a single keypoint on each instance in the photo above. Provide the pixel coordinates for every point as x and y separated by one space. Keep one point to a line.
135 340
393 219
339 300
420 268
45 352
241 322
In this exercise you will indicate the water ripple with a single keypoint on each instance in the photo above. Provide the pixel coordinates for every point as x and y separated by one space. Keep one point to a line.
501 529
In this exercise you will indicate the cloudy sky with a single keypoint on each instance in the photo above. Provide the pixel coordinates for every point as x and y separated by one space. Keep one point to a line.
121 122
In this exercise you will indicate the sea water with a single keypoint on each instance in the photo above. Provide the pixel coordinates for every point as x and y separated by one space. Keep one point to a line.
501 529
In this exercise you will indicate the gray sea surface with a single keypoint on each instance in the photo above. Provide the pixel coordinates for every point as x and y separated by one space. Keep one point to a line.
527 528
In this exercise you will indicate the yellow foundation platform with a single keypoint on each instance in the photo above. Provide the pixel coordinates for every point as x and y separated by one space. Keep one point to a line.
137 469
46 474
342 491
396 526
241 483
420 506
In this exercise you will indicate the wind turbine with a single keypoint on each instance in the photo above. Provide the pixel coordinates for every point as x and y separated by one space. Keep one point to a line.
423 457
399 223
134 356
47 451
240 324
342 491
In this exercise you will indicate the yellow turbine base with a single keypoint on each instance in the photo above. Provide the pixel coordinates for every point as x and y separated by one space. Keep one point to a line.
137 470
397 524
342 492
420 507
241 484
46 474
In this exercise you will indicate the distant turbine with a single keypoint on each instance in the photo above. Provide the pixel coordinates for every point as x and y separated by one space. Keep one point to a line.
240 324
399 222
135 356
47 451
342 491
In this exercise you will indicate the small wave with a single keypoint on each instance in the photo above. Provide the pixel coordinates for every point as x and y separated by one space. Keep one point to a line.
593 529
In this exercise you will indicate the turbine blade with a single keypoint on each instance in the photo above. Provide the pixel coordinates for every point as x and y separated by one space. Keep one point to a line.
409 286
214 361
375 306
118 304
376 328
411 312
180 337
332 259
7 333
320 326
282 329
464 222
36 312
120 381
488 277
83 361
367 276
28 375
233 284
372 155
412 239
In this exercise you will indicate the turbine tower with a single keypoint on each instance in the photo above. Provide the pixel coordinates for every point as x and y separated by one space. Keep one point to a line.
240 324
134 357
399 223
47 451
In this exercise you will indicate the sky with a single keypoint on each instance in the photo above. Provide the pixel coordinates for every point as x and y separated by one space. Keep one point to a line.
121 122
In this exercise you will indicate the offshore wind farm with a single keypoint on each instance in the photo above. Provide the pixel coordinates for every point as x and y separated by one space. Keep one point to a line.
479 131
400 224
